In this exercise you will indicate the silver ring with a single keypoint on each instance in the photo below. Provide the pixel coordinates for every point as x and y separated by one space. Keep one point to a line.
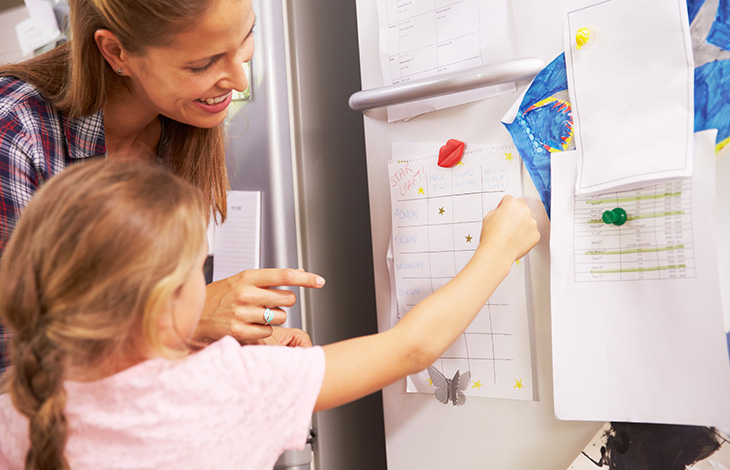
268 315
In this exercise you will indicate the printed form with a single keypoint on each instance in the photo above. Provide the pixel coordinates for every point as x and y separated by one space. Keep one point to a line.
420 39
436 224
637 322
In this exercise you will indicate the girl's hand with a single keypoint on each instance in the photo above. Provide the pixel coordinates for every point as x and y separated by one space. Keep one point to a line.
235 306
510 228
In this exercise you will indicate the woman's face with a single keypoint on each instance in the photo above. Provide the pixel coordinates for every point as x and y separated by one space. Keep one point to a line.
190 80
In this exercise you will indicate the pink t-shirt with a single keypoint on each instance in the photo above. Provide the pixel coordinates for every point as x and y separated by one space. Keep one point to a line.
225 407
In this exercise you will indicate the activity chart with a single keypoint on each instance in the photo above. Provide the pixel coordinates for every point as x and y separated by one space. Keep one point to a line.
436 223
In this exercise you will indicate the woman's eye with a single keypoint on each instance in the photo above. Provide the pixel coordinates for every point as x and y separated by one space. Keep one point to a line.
203 68
212 61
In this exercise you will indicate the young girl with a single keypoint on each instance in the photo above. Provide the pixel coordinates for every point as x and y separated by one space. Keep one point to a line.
145 80
102 287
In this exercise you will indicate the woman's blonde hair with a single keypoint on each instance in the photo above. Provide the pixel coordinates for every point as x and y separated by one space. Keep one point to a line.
76 78
90 268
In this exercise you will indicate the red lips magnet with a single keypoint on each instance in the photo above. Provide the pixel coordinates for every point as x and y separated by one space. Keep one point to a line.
450 154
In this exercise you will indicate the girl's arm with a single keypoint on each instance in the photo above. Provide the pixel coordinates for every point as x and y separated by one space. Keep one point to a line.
360 366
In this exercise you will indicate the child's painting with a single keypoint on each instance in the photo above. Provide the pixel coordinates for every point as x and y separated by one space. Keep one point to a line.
543 124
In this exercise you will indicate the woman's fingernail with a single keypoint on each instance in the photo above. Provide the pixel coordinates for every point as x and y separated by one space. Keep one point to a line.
320 281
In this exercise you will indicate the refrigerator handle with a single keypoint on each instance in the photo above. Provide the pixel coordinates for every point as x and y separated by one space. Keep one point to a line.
443 84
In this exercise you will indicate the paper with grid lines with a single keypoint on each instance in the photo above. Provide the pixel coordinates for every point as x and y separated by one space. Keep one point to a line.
436 222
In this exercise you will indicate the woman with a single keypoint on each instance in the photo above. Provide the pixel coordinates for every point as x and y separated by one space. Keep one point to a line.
143 79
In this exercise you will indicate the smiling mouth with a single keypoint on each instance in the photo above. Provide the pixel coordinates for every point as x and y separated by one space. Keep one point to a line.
211 101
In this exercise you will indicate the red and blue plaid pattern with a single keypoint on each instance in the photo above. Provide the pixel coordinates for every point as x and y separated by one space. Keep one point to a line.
36 142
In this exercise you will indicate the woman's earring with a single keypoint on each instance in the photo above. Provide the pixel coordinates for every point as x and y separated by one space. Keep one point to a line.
119 70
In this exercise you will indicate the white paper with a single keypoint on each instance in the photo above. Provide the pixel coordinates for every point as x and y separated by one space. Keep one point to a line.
723 231
436 223
31 37
632 91
42 14
420 39
637 324
237 241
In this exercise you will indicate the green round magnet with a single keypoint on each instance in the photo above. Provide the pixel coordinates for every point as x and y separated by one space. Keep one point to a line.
616 216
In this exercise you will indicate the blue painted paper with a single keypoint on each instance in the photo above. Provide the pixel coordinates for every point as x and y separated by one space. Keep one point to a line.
693 6
719 34
712 99
534 128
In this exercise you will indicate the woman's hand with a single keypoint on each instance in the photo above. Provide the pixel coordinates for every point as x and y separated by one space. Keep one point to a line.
235 306
292 337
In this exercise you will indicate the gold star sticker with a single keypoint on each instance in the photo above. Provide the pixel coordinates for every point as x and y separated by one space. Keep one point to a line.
460 163
518 384
517 262
468 238
441 211
477 385
420 190
508 156
430 382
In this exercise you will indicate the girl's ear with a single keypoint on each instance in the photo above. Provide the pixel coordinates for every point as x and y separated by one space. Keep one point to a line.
167 319
112 50
172 303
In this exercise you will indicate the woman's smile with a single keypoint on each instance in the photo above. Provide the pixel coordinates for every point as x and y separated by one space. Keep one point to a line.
215 105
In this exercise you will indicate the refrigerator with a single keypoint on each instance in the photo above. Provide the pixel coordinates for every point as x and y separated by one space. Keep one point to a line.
490 433
297 142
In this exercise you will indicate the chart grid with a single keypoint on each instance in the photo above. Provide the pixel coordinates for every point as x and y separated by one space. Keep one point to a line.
437 220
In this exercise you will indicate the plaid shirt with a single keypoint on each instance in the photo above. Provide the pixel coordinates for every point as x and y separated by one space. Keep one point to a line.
36 142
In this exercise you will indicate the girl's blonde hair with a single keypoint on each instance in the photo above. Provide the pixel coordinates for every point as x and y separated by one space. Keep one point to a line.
90 268
76 78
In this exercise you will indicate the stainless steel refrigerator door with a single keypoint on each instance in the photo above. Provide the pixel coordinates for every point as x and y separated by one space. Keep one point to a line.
298 143
259 158
329 147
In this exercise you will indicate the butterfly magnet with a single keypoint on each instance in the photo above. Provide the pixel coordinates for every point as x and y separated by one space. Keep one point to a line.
449 389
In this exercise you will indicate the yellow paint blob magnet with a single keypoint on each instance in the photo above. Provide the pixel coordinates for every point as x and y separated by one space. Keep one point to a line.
581 37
